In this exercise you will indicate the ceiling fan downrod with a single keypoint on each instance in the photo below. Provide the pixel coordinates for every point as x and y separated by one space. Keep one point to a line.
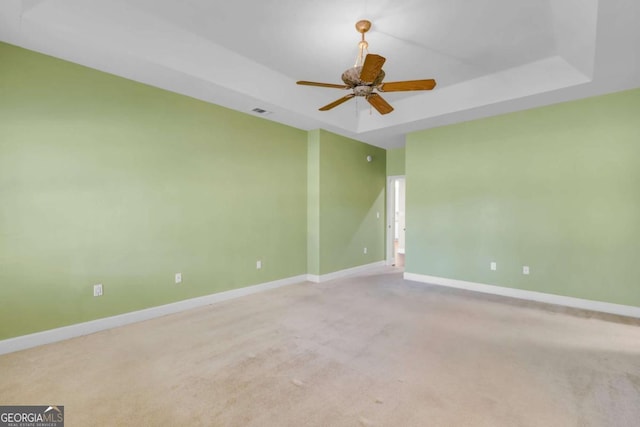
362 27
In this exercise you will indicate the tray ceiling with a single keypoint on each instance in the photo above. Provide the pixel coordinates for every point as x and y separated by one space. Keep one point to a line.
489 57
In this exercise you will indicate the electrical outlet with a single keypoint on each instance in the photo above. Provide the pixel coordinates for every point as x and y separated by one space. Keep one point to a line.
258 265
97 290
525 269
377 215
178 278
494 266
365 250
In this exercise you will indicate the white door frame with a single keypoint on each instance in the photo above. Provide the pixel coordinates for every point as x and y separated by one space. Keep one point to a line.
391 215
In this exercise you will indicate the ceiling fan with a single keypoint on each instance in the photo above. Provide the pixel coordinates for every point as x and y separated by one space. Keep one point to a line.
365 78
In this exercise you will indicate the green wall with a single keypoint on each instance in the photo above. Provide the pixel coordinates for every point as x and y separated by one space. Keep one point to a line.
348 193
104 180
554 188
396 162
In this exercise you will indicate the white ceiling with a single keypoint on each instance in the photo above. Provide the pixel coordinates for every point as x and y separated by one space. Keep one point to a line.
488 56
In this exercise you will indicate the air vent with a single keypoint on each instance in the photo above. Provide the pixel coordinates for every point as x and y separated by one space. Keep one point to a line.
260 111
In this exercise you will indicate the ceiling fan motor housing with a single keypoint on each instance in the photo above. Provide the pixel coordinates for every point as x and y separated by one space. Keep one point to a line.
351 78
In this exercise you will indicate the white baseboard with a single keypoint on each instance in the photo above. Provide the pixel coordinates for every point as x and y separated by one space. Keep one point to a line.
59 334
604 307
344 273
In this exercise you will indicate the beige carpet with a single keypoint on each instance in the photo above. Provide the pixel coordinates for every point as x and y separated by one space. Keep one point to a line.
371 350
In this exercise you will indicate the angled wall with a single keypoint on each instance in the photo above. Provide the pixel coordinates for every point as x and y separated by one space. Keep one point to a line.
346 203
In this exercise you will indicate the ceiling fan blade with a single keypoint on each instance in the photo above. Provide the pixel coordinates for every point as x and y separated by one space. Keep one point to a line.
379 103
337 102
407 85
371 67
302 82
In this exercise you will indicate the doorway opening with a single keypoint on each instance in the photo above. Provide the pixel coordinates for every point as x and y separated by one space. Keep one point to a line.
396 227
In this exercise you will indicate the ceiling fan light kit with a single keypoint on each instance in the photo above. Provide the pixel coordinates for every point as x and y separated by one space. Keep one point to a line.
366 77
